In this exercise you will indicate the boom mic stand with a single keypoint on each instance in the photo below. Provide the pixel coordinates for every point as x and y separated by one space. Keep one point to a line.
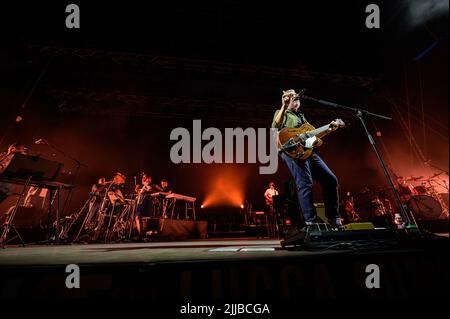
409 222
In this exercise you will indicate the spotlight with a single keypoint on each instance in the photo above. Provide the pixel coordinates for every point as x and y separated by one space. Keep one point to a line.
242 206
202 206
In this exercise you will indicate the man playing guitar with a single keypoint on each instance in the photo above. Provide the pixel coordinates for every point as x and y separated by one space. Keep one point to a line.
304 171
268 195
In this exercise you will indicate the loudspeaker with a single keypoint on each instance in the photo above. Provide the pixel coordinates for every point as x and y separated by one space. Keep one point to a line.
320 209
177 229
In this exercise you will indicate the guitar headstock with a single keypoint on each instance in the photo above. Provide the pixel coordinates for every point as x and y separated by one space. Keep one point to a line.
337 123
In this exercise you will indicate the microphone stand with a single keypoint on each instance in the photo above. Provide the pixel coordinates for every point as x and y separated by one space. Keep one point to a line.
409 222
75 175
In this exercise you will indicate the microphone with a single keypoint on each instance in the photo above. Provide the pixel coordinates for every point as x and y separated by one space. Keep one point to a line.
300 94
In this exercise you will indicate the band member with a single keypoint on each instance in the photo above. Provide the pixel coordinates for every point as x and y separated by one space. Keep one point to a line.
99 188
5 160
145 185
98 191
164 188
115 194
6 157
143 201
405 189
268 195
349 208
305 171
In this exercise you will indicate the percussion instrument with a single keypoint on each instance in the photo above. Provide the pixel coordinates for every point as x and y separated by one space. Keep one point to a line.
424 207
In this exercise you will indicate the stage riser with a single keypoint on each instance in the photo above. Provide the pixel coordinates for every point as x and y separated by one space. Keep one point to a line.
403 275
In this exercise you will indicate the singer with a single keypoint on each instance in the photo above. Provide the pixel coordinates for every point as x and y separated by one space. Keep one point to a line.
305 171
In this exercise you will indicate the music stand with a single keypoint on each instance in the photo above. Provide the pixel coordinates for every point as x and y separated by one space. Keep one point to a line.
27 168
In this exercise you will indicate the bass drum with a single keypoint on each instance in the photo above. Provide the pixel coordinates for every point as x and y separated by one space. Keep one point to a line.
424 207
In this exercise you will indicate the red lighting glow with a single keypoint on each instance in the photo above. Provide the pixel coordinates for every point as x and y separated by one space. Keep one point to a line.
226 187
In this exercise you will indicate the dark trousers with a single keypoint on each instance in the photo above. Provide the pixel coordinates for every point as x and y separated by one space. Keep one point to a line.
303 173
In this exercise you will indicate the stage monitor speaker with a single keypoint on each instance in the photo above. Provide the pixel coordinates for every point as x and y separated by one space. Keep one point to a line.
359 226
320 209
177 229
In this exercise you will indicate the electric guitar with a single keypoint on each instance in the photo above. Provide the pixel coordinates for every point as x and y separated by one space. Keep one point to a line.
299 142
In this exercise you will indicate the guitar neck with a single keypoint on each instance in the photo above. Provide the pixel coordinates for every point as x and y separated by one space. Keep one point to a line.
319 132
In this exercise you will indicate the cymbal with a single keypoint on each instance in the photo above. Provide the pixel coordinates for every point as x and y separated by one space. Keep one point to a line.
436 175
431 177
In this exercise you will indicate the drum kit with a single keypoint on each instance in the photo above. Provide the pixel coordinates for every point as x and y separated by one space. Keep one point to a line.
423 201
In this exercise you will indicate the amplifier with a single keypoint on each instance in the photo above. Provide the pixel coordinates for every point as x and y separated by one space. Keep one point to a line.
359 226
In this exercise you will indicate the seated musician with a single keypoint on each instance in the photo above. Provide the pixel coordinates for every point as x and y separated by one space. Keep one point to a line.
6 158
98 191
405 189
268 195
143 201
115 194
99 188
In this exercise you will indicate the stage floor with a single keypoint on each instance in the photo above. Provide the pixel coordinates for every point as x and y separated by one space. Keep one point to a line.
156 252
149 252
219 269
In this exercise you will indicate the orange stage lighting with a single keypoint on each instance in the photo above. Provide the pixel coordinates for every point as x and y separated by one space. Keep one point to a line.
226 187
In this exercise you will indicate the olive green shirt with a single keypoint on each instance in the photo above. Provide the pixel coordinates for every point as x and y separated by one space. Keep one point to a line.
291 119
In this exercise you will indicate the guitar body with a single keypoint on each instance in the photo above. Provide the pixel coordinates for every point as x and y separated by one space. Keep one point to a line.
299 142
303 150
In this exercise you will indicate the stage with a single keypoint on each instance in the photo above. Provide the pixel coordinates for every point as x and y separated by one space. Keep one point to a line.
231 269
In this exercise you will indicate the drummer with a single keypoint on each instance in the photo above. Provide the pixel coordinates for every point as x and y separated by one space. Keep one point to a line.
405 189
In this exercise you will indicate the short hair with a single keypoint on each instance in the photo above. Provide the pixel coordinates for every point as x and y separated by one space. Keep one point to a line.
164 180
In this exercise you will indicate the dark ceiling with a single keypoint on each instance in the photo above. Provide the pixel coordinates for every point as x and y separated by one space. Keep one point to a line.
325 36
